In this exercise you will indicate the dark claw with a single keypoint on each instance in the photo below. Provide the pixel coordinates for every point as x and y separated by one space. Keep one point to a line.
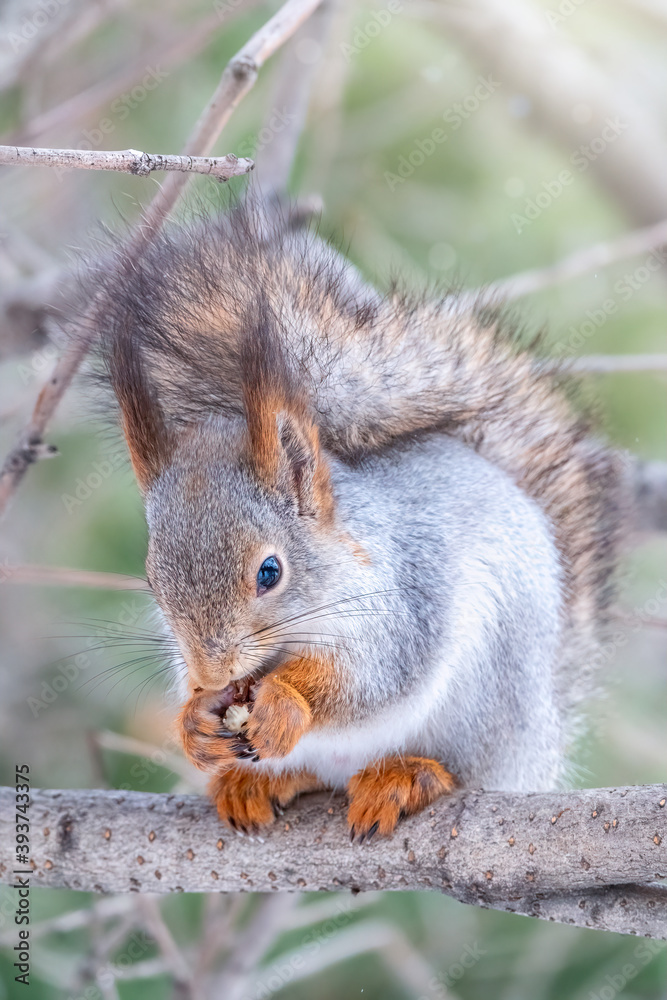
232 822
373 830
362 838
257 757
352 834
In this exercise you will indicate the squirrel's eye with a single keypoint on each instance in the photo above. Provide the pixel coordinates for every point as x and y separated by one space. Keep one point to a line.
269 574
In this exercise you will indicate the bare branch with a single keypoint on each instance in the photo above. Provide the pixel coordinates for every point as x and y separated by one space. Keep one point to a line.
514 43
30 446
149 909
594 857
60 576
187 43
581 262
250 943
128 161
608 364
298 64
237 79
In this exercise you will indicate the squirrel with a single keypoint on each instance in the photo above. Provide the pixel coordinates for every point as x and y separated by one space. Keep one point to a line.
380 532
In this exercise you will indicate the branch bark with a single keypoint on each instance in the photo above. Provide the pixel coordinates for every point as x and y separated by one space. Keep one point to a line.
128 161
595 858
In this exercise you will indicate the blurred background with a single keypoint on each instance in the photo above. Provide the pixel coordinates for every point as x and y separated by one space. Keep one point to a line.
449 143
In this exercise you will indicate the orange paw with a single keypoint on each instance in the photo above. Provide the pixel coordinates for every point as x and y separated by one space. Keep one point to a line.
205 740
247 800
279 718
391 788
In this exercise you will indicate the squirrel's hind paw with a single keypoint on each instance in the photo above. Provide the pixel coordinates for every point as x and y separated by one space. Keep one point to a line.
247 800
391 788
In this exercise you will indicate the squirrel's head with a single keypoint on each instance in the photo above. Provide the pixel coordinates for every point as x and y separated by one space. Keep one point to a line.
239 511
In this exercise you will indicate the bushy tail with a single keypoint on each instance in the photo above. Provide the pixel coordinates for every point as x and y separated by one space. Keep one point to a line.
376 369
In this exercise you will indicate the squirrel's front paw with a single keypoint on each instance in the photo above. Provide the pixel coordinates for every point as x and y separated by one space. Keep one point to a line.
391 788
206 740
279 718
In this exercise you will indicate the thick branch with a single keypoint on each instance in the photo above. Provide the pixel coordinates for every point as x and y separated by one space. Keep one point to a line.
595 858
128 161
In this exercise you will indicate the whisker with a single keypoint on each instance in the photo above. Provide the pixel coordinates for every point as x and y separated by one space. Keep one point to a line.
142 661
324 607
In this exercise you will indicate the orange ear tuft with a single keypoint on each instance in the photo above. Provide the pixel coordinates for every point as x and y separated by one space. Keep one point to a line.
148 439
283 439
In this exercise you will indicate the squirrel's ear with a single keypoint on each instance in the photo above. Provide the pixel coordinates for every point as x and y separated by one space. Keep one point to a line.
148 438
302 471
283 442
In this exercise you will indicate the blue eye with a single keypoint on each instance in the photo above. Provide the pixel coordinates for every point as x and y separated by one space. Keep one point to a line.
269 574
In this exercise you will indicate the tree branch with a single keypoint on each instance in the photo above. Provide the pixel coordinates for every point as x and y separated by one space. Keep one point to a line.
128 161
62 576
594 857
580 262
513 41
610 364
237 79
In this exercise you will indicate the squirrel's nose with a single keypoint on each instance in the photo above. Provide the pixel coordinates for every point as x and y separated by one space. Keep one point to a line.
210 665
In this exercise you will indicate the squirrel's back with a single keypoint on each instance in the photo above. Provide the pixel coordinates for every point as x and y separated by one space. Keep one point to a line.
374 370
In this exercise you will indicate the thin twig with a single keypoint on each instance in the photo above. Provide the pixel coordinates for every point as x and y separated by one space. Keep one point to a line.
178 765
188 42
60 576
608 364
149 909
250 944
299 62
237 79
581 262
128 161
